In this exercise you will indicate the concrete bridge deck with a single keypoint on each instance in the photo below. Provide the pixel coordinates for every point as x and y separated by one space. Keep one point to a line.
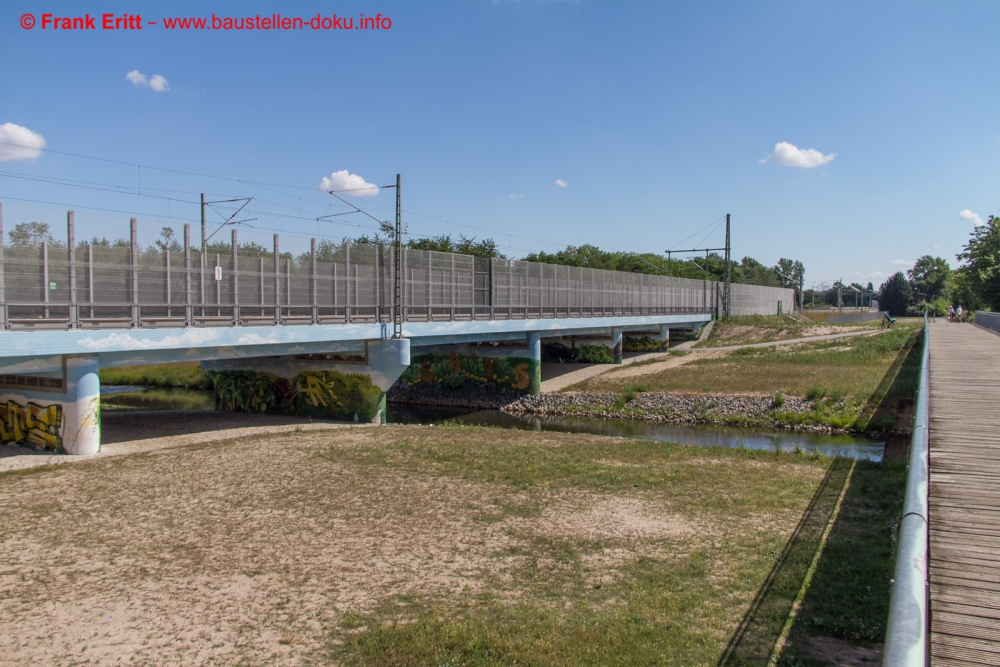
964 495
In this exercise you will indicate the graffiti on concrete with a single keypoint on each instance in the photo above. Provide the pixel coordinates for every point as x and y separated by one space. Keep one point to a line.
336 395
319 394
39 426
454 370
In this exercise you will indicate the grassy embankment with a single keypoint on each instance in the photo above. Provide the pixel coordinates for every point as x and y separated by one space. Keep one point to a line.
853 383
766 328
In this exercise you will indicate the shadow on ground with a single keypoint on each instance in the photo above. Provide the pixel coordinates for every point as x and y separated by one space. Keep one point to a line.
841 617
900 381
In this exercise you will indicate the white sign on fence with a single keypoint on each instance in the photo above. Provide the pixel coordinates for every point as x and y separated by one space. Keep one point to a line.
218 273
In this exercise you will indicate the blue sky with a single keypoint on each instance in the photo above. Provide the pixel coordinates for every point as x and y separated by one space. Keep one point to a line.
658 117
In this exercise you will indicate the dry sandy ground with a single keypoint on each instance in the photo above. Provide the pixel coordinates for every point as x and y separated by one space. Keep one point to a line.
244 552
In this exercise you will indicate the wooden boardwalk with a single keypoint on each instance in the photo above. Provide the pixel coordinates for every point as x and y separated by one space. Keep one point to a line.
964 495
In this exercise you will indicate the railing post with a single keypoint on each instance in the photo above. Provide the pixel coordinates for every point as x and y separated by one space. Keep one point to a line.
45 277
167 286
277 282
288 283
236 284
3 286
90 278
376 251
490 279
347 282
74 315
312 281
218 287
188 311
133 259
260 276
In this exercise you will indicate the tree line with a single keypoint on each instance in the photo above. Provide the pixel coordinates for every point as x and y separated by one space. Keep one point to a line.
932 285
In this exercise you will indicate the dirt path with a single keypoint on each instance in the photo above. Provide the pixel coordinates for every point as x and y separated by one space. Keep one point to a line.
147 431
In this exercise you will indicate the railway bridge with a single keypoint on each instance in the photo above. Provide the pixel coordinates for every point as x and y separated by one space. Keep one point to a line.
325 333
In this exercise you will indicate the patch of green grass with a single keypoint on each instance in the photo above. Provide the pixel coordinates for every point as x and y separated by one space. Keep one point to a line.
853 383
563 602
187 375
849 596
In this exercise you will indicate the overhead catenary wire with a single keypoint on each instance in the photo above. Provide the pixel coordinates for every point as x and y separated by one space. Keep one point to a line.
266 183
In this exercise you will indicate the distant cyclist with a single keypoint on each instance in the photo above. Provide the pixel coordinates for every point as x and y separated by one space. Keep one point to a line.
887 321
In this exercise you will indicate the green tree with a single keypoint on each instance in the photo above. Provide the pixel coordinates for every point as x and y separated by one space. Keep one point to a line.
929 277
464 245
30 235
982 262
895 294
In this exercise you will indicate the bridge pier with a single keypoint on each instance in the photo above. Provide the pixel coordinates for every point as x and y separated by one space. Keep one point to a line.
54 411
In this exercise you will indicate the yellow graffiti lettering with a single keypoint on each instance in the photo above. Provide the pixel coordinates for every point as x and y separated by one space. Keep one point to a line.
521 379
488 367
318 392
426 374
32 424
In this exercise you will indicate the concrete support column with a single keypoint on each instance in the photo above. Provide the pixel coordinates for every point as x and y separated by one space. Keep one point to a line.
664 336
65 417
82 415
535 353
616 344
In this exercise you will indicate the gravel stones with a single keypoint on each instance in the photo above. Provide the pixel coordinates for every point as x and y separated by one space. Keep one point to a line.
667 408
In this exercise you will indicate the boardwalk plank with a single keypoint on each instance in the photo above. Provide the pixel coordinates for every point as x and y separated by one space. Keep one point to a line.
964 495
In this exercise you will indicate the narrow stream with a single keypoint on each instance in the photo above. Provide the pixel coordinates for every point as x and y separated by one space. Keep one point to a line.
138 398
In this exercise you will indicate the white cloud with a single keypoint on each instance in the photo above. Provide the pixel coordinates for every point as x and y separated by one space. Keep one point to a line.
791 155
155 82
19 143
514 196
971 216
901 262
351 184
561 183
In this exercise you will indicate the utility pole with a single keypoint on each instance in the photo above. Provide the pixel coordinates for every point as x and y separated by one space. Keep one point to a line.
840 295
203 224
725 289
397 287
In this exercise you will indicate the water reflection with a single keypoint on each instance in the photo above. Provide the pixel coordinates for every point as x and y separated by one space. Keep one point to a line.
707 436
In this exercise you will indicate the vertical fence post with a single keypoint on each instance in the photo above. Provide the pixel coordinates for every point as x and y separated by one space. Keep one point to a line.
236 284
261 277
491 293
312 281
90 278
218 288
45 277
133 260
74 314
167 290
3 284
347 281
277 282
376 251
288 283
188 314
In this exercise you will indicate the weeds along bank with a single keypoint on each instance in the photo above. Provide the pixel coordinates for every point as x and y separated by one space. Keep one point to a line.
844 385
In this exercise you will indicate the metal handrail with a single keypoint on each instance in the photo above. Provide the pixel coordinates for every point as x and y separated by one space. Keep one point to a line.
988 320
907 632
